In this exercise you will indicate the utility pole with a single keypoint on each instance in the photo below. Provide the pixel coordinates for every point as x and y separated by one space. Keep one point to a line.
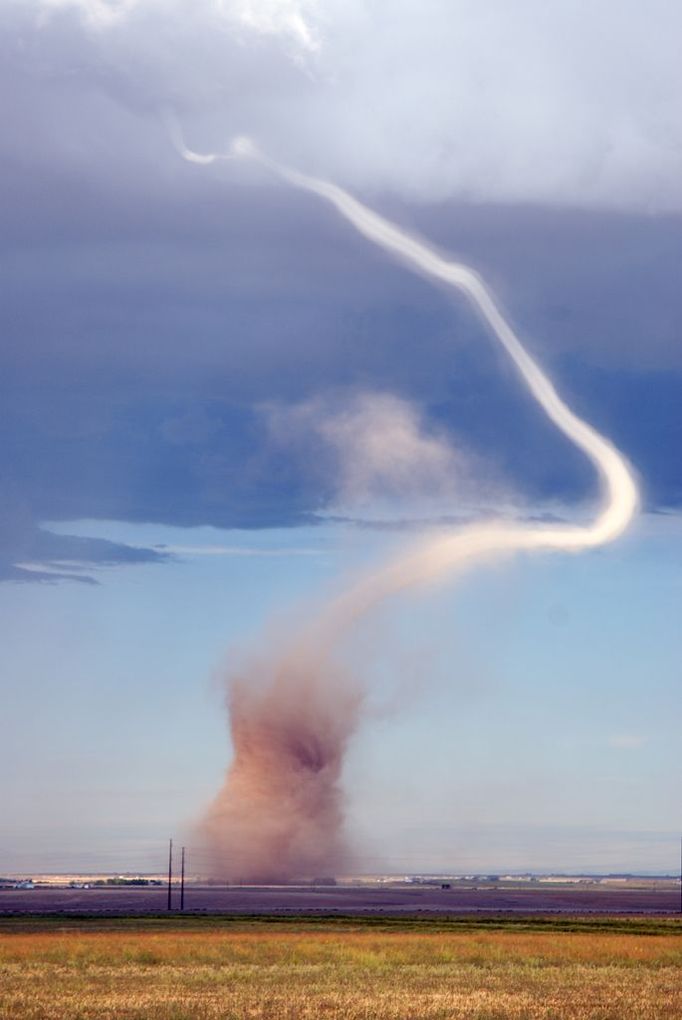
170 870
182 880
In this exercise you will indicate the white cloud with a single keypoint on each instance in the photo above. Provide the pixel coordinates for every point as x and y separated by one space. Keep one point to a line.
289 19
573 103
100 14
237 550
627 741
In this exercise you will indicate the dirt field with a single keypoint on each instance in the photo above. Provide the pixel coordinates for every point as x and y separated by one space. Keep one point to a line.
205 970
386 900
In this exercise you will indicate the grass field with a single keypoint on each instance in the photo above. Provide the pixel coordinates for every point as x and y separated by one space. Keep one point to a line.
160 969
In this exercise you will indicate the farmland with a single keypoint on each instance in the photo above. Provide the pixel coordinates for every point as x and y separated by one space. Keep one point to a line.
206 967
660 896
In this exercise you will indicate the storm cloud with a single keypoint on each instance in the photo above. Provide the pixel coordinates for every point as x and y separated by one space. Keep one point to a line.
573 103
151 309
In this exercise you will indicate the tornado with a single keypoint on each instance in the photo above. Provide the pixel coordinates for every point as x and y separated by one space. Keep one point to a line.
279 814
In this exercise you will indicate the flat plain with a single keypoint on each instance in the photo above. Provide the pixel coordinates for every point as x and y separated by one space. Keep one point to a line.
205 968
646 897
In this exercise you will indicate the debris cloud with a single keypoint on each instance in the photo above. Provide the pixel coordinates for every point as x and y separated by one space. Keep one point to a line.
279 814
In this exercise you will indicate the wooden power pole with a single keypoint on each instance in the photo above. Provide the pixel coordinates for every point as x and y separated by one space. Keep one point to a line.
170 870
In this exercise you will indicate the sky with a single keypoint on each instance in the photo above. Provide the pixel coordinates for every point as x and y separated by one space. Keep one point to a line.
202 371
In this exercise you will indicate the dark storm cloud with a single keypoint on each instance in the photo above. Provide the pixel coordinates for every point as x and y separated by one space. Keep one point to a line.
30 553
151 307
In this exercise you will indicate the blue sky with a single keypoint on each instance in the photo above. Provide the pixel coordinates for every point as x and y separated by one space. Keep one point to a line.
525 717
188 356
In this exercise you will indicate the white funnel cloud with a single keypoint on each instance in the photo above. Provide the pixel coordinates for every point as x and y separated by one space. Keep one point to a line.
445 553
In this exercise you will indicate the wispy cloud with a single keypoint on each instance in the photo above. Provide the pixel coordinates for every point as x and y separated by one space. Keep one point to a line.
627 741
234 550
46 556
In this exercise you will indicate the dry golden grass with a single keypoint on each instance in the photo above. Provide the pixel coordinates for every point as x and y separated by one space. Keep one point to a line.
344 971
